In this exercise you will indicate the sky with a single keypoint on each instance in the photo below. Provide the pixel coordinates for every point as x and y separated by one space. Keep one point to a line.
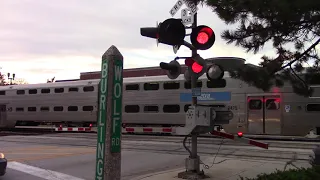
41 39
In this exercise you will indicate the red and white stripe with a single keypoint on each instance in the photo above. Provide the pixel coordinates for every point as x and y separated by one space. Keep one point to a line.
86 129
147 130
242 139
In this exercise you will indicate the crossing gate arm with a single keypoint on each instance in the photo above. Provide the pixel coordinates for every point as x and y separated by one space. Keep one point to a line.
241 139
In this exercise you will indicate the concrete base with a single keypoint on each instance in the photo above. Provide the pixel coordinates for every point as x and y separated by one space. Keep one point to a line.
192 175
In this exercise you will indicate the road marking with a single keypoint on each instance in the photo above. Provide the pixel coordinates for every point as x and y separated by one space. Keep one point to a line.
38 172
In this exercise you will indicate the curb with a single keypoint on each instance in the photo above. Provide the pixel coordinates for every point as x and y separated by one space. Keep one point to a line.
157 173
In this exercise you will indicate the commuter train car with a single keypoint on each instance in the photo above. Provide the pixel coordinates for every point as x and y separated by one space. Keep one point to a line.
157 101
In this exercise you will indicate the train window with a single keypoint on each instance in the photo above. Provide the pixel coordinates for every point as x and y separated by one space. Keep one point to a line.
73 108
220 83
255 104
88 88
131 108
132 87
172 108
187 85
33 91
32 109
151 109
73 89
59 90
19 109
186 107
44 109
151 86
272 104
87 108
2 92
45 91
58 108
313 107
20 92
171 85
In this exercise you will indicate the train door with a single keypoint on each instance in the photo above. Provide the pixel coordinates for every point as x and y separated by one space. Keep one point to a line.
264 114
3 115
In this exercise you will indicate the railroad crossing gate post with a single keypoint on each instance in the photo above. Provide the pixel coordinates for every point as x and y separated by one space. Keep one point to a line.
108 154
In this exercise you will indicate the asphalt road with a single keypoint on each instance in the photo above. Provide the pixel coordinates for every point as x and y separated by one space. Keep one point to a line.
60 156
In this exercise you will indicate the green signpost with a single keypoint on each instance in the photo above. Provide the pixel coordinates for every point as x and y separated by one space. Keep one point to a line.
116 107
108 154
102 117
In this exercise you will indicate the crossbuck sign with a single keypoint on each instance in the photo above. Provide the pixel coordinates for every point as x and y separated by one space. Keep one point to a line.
191 7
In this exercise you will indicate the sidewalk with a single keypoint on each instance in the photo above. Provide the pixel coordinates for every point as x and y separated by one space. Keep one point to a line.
228 169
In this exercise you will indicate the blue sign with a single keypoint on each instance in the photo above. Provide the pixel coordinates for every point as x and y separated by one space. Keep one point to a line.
207 96
196 92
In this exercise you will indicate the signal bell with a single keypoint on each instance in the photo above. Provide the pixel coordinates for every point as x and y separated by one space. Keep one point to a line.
202 37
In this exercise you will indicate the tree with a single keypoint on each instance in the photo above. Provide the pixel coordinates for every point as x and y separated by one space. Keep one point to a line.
20 81
289 25
2 80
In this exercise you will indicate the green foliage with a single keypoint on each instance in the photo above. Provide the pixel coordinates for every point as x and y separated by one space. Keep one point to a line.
284 23
2 80
292 174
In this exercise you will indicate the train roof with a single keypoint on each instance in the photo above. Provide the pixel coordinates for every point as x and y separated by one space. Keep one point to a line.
94 82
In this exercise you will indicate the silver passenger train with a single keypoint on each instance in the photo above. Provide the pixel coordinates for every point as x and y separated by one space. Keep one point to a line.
158 101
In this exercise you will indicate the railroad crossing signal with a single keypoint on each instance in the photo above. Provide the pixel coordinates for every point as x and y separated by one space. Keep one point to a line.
170 32
202 37
173 69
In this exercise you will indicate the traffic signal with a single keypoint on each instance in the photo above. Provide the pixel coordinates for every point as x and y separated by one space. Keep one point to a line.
170 32
202 37
240 134
196 66
173 69
215 72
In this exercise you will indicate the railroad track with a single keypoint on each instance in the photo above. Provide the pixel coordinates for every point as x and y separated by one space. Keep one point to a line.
50 130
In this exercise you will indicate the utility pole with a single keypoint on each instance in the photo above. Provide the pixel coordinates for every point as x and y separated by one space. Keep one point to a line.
194 149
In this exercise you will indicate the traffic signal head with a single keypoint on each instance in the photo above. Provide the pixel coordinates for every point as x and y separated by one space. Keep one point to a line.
202 37
215 72
195 67
173 69
170 32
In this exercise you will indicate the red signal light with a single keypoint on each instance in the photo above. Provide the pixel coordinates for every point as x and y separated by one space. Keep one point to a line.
202 37
240 134
197 68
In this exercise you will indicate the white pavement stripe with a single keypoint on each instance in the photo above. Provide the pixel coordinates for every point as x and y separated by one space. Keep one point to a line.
38 172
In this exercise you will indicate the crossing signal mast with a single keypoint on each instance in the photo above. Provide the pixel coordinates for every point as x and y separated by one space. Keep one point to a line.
199 118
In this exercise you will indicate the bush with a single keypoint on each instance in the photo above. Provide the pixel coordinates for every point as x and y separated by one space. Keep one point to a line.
312 173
